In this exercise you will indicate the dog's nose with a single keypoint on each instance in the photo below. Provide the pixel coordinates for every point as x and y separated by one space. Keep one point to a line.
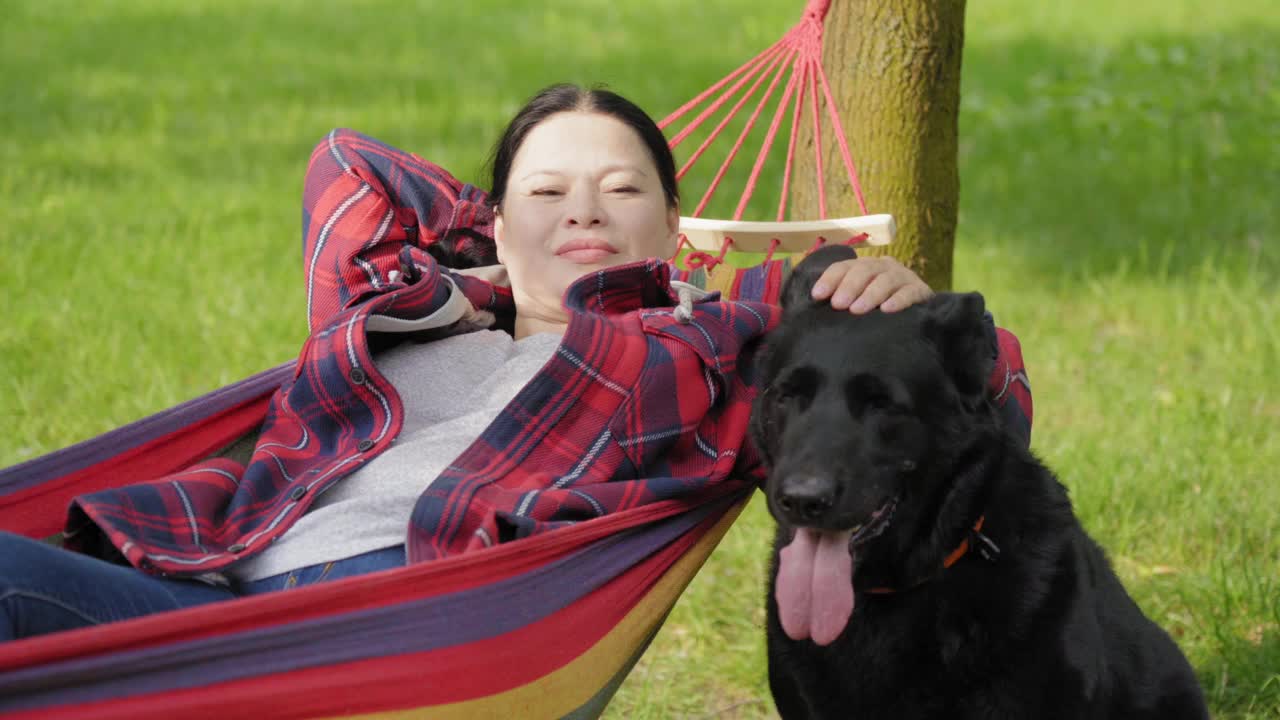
806 499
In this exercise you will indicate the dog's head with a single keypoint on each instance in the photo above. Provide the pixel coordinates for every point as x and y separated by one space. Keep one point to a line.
855 409
860 419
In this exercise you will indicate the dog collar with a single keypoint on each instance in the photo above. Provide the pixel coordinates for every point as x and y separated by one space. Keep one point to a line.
974 538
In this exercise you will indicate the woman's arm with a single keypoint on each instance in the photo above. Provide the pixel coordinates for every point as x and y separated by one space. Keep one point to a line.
1008 384
371 212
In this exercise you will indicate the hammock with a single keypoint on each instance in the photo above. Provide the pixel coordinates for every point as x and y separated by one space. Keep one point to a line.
545 627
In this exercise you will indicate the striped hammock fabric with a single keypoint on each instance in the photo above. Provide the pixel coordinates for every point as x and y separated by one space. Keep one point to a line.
545 627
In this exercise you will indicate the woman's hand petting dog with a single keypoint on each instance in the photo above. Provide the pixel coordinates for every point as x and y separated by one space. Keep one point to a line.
863 284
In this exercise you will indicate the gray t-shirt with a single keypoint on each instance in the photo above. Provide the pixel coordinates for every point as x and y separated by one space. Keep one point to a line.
452 389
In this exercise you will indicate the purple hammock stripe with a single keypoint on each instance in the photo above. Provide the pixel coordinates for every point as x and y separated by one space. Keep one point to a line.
409 627
756 277
82 455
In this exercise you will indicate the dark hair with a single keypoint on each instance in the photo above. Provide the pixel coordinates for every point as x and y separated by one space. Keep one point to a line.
568 98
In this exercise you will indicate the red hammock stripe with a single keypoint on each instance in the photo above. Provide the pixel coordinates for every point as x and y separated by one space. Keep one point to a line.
40 511
446 675
412 583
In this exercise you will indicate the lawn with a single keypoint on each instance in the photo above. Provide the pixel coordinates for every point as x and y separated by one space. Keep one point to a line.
1120 172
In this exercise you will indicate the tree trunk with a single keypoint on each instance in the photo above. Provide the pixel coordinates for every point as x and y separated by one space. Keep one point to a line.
894 69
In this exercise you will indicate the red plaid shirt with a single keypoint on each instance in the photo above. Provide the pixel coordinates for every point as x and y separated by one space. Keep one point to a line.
634 407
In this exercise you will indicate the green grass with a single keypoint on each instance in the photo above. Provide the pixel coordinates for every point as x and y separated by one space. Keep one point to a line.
1119 172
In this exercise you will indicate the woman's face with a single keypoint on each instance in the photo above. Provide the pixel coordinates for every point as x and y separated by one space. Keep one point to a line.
583 194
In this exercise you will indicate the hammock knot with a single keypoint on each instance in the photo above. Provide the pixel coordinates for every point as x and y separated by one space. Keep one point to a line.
817 9
698 258
773 246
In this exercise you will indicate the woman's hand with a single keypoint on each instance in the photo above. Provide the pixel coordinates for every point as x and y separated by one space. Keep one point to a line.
863 284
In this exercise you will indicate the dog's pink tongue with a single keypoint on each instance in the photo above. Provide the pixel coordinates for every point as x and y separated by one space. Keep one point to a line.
815 586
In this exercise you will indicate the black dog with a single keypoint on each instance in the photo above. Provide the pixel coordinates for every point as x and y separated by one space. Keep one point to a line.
926 564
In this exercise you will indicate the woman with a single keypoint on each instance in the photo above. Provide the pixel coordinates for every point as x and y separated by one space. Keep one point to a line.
444 403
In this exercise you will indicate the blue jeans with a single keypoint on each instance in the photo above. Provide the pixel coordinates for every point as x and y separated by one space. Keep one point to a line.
45 589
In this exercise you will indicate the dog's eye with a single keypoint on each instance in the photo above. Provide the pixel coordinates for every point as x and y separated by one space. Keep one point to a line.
868 393
797 386
878 402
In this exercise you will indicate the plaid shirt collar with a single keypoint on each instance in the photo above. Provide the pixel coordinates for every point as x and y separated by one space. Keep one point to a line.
610 291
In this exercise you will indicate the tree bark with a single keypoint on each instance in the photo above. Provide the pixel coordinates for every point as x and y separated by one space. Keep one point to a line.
894 70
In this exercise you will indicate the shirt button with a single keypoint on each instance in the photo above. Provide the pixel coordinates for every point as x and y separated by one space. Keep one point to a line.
358 376
238 547
297 493
364 445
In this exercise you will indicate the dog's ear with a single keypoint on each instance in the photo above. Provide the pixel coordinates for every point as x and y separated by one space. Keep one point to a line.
762 424
763 427
796 292
958 325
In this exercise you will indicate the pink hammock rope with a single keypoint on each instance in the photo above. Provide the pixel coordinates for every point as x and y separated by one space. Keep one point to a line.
800 50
